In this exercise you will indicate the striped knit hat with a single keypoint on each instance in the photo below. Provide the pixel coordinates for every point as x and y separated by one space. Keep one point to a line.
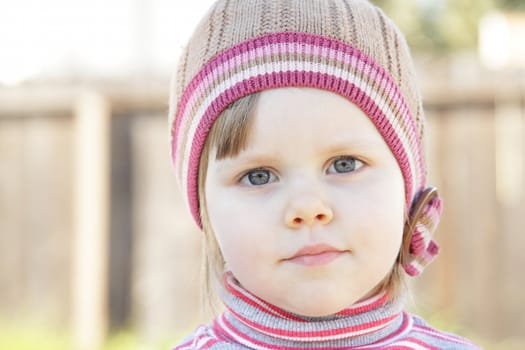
348 47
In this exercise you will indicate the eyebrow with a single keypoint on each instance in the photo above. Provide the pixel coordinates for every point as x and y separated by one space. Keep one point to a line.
345 146
246 161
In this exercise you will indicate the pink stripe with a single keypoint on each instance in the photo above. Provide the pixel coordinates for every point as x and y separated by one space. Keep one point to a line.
265 307
260 304
248 340
399 101
360 329
420 343
430 253
405 327
298 78
183 345
234 333
365 308
216 67
450 337
278 43
417 242
411 270
209 342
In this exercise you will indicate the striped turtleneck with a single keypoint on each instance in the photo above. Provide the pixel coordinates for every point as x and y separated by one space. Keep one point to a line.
375 323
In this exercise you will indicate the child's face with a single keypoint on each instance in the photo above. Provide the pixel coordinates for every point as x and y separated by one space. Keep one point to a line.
309 217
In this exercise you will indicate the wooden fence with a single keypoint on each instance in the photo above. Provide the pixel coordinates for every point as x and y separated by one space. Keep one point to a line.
114 248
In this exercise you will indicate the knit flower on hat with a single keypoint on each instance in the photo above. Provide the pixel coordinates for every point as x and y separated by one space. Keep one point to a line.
423 222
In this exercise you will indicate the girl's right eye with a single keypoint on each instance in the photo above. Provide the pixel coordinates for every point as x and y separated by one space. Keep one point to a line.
258 177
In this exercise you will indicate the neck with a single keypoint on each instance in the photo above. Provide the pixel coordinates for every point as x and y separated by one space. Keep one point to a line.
255 323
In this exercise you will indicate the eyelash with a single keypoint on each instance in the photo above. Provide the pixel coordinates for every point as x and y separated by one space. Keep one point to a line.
245 178
356 163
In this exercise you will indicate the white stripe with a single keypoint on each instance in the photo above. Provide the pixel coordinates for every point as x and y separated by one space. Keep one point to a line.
243 340
202 341
239 340
310 49
416 265
411 345
200 338
253 299
424 232
440 335
268 309
320 338
300 65
392 340
266 50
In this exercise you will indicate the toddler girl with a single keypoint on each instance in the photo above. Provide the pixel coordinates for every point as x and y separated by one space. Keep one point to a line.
297 138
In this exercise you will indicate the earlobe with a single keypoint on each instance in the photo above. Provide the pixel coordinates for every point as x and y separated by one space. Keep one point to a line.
418 248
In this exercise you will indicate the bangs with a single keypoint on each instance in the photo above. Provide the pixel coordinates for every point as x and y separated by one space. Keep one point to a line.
229 133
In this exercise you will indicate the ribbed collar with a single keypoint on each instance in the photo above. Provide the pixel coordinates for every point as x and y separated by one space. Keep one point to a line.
255 324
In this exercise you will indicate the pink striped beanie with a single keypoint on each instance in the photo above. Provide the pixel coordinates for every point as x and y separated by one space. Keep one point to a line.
348 47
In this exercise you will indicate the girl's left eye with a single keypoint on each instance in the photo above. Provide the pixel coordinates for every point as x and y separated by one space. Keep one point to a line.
258 177
344 165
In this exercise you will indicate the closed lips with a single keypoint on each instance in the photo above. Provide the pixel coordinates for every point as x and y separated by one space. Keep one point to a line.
313 255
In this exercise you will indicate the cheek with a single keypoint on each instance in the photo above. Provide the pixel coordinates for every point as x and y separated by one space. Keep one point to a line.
389 216
239 227
376 202
222 224
374 212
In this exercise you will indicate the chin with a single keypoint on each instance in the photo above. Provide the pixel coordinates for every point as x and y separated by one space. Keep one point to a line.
317 300
318 308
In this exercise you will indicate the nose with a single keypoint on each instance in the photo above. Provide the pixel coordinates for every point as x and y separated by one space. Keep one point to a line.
307 210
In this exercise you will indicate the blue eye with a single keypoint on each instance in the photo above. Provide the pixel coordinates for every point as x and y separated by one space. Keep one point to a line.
258 177
344 165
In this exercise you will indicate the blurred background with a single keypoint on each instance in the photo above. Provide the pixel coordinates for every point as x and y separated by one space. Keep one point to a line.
97 250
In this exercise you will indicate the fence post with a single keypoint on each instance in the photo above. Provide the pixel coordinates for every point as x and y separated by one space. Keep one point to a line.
91 221
509 148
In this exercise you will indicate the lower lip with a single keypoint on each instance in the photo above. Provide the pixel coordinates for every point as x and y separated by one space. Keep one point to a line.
317 259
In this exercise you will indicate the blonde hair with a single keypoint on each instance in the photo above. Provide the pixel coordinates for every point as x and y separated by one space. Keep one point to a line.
228 136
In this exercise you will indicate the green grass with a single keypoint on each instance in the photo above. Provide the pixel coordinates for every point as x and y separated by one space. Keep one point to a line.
32 338
40 338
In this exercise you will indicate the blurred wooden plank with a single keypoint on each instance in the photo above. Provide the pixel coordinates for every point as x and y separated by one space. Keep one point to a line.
35 220
166 276
468 267
53 100
153 95
91 229
510 185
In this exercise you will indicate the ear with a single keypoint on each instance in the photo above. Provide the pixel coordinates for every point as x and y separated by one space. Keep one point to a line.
419 249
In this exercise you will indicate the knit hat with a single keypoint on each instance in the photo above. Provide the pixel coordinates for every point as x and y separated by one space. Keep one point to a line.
348 47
